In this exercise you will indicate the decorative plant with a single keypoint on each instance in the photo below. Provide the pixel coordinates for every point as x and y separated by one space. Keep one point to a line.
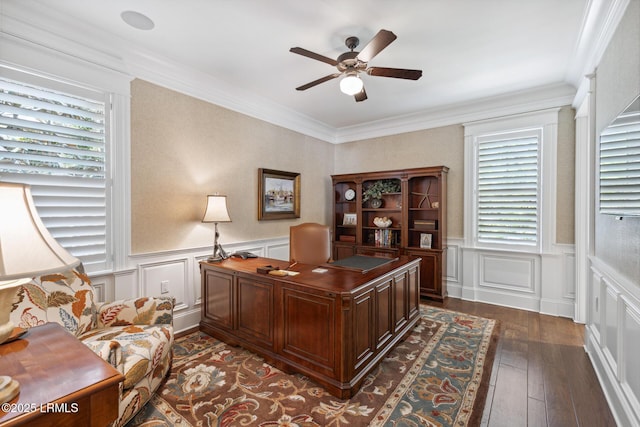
380 187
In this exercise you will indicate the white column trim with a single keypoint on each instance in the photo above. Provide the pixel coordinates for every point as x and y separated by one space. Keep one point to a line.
120 162
584 198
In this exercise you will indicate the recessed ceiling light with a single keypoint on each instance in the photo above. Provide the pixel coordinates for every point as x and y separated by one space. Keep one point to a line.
137 20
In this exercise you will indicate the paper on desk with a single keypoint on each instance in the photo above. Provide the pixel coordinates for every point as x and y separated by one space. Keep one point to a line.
319 270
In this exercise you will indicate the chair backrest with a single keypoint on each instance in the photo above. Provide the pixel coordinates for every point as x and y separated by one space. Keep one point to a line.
66 298
310 243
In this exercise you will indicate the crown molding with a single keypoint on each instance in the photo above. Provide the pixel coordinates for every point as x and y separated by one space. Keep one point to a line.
167 73
44 26
598 27
534 99
31 27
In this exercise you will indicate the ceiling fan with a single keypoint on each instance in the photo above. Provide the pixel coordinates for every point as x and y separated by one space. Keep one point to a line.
352 63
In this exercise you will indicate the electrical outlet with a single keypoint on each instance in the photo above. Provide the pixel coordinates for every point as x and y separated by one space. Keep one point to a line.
164 287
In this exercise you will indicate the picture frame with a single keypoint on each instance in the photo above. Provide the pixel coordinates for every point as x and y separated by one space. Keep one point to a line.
350 219
278 194
425 240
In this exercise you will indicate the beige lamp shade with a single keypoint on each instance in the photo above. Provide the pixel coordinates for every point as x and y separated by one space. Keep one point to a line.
27 249
216 209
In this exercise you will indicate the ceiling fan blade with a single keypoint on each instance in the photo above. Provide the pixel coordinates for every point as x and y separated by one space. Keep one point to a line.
313 55
317 82
360 96
375 46
398 73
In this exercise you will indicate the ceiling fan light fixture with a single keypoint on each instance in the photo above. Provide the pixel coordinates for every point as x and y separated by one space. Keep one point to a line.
351 84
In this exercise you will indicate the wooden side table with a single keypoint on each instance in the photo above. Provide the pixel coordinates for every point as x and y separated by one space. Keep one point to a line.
62 382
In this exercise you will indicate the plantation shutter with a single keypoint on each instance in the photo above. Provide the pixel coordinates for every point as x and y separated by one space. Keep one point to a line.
507 188
55 142
620 166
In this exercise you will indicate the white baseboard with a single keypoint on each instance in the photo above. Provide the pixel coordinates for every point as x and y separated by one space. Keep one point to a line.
186 320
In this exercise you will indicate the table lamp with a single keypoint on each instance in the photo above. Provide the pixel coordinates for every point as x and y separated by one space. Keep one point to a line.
27 249
216 212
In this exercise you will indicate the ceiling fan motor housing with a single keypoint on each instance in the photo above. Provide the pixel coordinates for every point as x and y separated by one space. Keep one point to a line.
349 61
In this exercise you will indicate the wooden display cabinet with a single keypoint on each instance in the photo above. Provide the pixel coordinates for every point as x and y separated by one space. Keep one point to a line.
417 209
345 230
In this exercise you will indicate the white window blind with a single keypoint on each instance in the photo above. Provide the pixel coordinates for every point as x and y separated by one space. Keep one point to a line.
620 166
55 142
507 188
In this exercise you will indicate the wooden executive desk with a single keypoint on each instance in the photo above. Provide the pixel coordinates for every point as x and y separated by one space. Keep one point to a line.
333 327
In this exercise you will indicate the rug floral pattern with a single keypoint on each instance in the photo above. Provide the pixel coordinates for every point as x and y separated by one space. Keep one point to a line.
430 379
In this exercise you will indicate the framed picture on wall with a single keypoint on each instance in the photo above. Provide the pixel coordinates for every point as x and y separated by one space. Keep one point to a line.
278 194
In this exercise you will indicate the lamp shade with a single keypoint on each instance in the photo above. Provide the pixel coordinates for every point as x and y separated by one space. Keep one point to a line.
351 84
216 209
27 249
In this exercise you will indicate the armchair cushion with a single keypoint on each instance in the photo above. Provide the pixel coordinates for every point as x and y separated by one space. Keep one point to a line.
143 348
65 298
141 311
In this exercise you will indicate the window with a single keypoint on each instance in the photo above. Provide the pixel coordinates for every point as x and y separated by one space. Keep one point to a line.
510 182
507 188
55 140
620 164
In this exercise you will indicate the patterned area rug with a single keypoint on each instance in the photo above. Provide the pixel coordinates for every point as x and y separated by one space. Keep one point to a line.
438 376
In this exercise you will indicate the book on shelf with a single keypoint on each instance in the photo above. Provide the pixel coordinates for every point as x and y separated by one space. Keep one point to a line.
385 237
425 224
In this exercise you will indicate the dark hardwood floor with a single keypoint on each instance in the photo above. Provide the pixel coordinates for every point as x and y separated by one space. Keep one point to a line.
541 375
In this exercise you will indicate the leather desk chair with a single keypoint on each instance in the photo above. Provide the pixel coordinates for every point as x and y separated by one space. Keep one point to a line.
310 243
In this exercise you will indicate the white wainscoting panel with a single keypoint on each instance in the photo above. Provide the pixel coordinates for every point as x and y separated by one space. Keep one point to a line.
146 273
630 360
611 325
595 293
166 279
100 285
453 274
508 272
557 282
543 283
569 282
612 339
278 250
501 277
196 285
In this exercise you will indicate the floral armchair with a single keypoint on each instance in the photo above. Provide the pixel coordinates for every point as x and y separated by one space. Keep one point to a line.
134 336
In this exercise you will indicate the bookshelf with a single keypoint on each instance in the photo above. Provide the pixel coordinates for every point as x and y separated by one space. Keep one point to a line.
413 202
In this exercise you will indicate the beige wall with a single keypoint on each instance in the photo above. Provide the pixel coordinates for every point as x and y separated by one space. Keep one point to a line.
617 242
565 184
445 146
431 147
183 148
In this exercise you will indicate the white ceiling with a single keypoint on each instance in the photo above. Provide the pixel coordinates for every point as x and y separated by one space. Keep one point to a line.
469 50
